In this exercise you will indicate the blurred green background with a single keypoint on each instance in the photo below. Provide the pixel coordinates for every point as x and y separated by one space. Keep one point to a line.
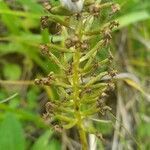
22 103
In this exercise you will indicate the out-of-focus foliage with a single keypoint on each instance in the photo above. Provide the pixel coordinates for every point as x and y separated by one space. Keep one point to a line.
21 124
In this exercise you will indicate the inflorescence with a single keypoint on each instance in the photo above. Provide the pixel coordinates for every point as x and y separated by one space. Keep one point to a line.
83 81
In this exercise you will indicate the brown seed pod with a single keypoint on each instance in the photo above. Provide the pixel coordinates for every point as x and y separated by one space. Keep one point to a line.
44 22
94 9
44 49
84 46
49 107
37 81
68 43
47 6
58 128
115 8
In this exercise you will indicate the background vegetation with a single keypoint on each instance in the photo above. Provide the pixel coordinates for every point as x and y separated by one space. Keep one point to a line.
22 103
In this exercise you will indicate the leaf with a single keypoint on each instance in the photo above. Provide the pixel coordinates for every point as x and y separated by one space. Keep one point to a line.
25 115
11 22
12 71
143 129
104 128
31 5
46 143
11 134
132 18
20 13
54 145
8 99
43 142
134 85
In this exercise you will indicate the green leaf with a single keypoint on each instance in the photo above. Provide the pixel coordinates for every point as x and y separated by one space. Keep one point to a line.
135 85
12 23
9 98
46 143
43 142
132 18
12 71
11 134
104 128
54 145
143 129
31 5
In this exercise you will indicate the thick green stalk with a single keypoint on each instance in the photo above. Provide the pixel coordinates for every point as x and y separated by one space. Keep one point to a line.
76 99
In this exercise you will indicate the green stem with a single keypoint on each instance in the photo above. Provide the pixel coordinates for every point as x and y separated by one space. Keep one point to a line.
76 99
